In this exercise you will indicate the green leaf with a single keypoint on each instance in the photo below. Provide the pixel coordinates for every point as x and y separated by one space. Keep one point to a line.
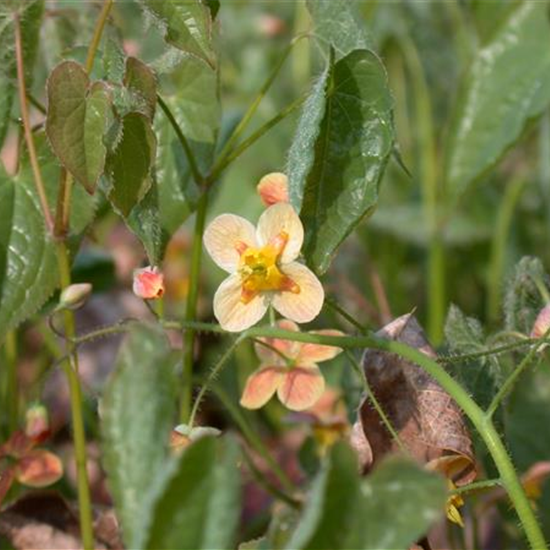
186 24
335 166
507 85
28 264
199 508
140 80
144 221
129 165
398 504
78 114
523 300
338 24
137 413
30 17
330 507
481 376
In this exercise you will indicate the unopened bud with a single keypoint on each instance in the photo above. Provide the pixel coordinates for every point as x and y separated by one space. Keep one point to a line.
148 283
37 426
542 323
75 296
273 188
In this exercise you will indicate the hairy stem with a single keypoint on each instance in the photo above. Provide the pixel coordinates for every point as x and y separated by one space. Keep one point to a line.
96 39
70 367
33 157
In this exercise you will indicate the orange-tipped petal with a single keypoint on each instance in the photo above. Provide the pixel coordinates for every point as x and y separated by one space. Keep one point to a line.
317 353
279 219
305 305
261 386
148 283
39 468
302 387
226 238
288 348
273 188
231 312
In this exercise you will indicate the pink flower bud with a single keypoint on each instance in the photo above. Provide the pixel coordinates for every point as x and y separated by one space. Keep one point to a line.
148 283
36 423
542 323
273 188
75 296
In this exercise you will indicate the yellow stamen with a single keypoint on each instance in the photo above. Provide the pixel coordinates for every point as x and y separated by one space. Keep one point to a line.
259 269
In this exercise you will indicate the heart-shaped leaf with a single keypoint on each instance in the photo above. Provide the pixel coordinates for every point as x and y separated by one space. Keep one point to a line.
130 164
78 113
187 25
336 161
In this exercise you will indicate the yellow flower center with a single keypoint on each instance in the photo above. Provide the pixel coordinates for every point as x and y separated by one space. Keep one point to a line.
260 271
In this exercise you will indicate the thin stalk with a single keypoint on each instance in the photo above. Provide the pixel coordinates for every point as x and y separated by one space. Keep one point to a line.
509 383
195 172
96 39
477 486
345 315
191 308
224 161
430 192
71 370
12 390
33 158
241 127
253 439
268 486
498 246
211 377
376 404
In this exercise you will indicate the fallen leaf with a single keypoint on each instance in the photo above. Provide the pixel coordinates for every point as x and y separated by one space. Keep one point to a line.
429 423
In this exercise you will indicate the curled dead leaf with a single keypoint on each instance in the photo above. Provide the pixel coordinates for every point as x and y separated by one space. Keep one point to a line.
427 420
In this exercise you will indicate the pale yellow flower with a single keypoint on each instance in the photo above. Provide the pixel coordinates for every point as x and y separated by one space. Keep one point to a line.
262 268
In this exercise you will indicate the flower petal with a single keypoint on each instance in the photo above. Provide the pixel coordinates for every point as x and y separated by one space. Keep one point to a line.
316 353
302 387
304 306
222 237
231 312
261 386
281 217
39 468
288 348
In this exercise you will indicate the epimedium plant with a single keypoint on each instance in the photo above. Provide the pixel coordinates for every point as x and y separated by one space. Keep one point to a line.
113 136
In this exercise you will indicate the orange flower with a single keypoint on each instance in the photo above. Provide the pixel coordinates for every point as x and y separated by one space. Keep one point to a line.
148 283
273 188
29 466
290 369
262 268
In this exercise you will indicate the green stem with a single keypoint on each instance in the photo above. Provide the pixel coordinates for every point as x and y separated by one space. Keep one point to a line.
477 486
96 39
79 437
430 191
486 353
253 439
225 160
33 158
195 172
191 308
498 247
211 377
240 128
332 304
12 390
509 383
376 404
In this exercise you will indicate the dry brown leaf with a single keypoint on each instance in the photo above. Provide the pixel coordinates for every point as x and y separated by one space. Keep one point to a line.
427 420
